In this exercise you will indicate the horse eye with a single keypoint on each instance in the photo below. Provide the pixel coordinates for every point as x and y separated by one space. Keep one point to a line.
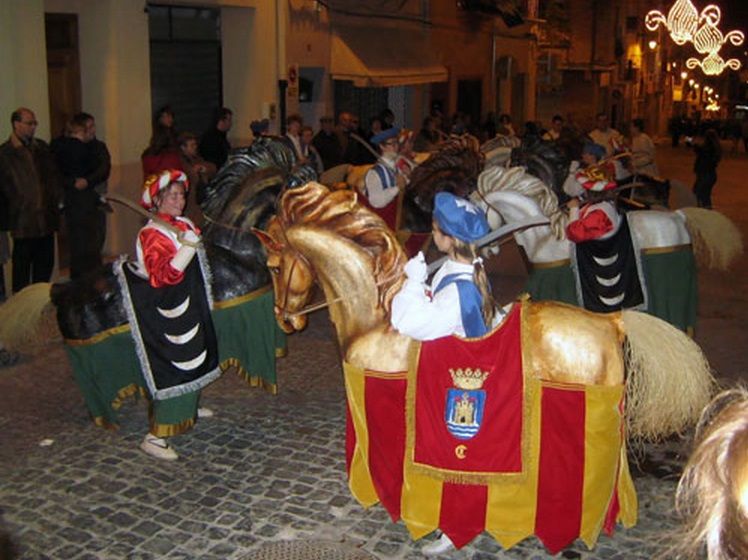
275 270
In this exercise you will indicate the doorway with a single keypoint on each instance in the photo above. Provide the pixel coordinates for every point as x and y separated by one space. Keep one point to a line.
185 51
469 98
63 69
64 91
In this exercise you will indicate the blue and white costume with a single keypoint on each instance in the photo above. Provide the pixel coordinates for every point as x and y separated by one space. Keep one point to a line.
452 304
426 314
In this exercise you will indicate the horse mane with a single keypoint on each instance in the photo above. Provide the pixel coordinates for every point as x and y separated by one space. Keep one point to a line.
715 481
454 167
266 152
339 211
516 179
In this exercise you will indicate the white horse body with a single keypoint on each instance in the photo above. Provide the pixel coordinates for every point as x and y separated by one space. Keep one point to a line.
651 229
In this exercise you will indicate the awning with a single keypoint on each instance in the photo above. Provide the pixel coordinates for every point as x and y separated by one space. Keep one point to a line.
384 57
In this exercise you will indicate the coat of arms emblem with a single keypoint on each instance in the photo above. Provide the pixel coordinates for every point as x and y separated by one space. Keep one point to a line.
465 402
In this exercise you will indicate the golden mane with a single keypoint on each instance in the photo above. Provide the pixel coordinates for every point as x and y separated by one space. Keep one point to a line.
340 212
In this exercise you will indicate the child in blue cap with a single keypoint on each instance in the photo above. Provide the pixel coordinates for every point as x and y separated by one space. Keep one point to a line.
459 300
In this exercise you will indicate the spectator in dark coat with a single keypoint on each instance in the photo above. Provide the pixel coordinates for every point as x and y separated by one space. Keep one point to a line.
29 181
214 145
708 154
327 144
82 168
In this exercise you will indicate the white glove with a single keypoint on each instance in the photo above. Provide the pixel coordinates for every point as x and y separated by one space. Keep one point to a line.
190 237
415 268
182 259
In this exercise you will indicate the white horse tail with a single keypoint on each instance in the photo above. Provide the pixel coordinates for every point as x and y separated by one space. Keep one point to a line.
24 318
717 241
668 381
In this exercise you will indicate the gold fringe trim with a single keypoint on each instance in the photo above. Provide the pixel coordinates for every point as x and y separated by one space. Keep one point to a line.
233 302
529 390
663 250
252 380
104 423
95 339
127 392
281 352
550 264
123 394
169 430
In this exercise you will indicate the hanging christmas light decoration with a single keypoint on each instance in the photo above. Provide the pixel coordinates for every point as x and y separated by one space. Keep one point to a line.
685 24
709 38
682 21
713 64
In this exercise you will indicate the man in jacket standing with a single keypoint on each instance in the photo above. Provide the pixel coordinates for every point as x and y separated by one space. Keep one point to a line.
29 181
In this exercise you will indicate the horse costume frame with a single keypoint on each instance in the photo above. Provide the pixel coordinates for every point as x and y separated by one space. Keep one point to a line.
573 366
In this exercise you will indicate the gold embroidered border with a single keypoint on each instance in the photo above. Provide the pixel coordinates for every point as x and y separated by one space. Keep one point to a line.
169 430
663 250
252 380
233 302
529 390
550 264
127 392
281 352
95 339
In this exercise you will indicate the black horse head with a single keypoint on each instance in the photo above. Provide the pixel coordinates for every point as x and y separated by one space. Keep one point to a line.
242 196
454 168
547 161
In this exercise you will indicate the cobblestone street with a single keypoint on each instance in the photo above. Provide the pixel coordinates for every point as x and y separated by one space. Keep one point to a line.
269 468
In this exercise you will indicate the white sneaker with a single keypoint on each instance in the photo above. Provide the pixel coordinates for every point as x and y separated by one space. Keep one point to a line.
204 412
441 545
157 447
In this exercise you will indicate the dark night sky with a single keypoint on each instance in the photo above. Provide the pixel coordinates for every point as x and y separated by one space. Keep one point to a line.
734 14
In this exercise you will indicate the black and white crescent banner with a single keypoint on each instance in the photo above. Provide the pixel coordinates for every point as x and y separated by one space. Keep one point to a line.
608 273
172 329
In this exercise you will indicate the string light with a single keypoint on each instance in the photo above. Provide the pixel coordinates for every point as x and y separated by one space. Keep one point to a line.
684 75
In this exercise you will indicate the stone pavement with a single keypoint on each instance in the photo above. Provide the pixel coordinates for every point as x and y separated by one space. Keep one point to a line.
268 468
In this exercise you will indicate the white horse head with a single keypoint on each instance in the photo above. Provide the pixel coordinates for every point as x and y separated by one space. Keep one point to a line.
516 195
512 195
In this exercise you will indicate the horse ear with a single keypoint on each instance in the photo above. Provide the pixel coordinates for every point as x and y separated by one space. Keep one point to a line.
268 242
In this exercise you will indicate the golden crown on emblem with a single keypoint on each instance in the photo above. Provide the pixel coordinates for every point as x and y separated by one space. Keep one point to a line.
468 379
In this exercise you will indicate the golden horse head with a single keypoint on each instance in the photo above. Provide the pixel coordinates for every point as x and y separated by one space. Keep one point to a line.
314 224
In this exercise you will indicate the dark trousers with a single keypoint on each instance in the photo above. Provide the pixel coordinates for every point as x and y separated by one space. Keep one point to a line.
702 188
2 283
86 234
33 260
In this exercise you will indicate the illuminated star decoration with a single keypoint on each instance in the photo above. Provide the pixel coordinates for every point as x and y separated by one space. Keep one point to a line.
685 25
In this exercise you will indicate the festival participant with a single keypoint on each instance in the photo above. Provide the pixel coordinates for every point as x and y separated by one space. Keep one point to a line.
599 217
459 300
606 265
382 182
592 154
405 163
164 258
